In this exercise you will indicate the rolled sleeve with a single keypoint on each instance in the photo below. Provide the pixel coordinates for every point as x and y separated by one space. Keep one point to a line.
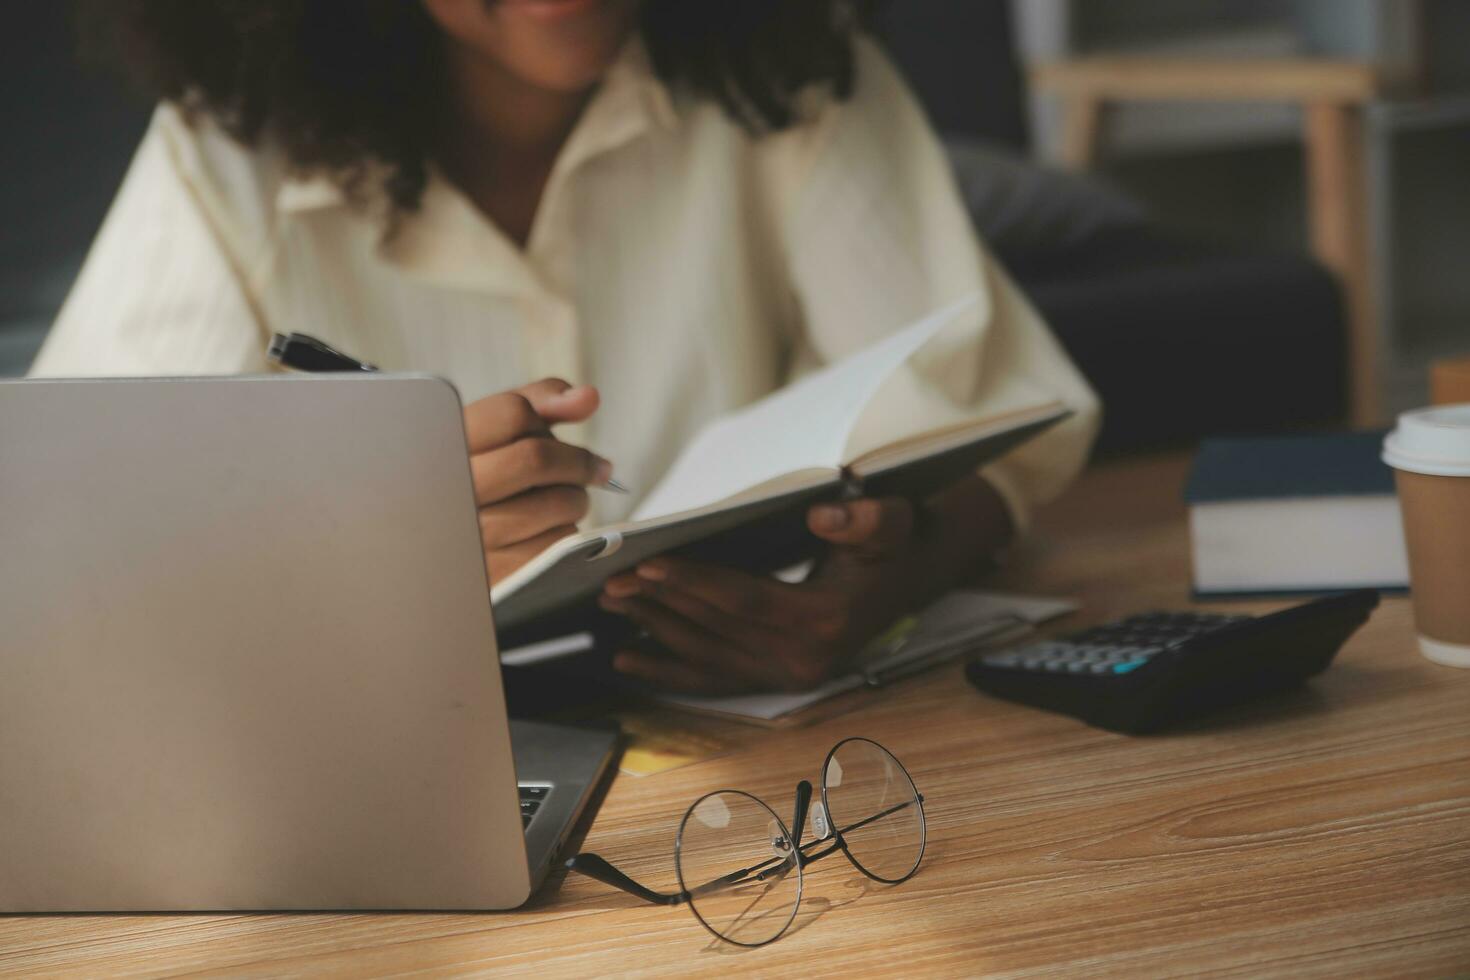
159 293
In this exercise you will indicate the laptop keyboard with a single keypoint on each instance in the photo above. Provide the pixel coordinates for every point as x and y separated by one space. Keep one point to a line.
531 799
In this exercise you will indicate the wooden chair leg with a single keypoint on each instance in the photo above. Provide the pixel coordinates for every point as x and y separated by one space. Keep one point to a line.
1338 216
1082 120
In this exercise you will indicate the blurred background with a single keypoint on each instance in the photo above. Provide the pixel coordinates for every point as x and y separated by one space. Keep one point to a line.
1237 215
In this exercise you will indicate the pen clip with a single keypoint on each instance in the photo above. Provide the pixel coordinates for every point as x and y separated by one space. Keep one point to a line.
302 352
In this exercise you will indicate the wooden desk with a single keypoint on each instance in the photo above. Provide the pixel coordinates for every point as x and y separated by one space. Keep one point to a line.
1325 833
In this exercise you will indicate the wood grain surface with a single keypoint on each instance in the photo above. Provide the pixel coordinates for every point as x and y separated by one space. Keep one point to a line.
1322 833
1144 78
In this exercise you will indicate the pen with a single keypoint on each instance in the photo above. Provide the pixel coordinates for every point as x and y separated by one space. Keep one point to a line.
897 663
301 352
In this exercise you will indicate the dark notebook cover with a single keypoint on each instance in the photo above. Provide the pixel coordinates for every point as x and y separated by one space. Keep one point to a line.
1338 464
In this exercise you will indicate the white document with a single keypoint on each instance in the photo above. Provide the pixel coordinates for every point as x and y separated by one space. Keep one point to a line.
955 624
552 649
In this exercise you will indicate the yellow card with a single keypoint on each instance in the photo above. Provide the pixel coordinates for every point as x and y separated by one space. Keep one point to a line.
655 745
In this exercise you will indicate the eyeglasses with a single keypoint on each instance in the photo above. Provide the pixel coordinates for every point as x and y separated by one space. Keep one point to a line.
740 869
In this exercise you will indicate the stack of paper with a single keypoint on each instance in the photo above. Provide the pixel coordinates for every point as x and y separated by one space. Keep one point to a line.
961 622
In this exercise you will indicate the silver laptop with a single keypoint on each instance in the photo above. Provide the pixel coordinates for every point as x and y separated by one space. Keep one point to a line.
247 658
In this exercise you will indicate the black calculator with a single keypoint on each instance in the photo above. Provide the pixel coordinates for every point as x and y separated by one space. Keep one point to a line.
1143 673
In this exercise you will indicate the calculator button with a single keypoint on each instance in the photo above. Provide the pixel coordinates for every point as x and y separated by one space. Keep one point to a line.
1054 665
1100 668
1128 665
1078 666
533 792
1138 653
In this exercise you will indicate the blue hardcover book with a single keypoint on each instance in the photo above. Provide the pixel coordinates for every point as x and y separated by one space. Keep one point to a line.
1305 513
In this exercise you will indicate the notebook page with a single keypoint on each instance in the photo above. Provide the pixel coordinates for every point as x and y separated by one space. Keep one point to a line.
802 426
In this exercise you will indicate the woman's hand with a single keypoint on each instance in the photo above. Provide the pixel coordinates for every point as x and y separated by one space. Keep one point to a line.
727 630
530 486
720 630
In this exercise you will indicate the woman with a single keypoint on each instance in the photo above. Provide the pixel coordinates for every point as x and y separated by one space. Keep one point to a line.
679 205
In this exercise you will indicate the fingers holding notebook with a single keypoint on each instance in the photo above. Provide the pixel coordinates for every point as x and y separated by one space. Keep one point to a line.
530 486
721 630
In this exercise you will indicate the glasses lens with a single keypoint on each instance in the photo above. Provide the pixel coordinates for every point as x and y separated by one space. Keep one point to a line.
734 858
872 802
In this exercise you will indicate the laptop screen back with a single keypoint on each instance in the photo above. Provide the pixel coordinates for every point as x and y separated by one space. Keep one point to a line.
248 656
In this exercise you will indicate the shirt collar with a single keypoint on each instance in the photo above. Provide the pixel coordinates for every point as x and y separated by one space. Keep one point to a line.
633 72
308 193
630 101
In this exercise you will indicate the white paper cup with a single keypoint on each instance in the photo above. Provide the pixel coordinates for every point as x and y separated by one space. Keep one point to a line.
1430 454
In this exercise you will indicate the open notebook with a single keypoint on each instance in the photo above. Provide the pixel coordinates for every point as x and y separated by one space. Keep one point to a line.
738 492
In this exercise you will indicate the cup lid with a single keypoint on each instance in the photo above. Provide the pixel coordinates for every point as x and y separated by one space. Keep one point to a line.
1434 441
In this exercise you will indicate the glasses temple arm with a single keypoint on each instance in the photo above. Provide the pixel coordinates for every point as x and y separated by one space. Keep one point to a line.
810 858
837 842
919 798
599 869
595 867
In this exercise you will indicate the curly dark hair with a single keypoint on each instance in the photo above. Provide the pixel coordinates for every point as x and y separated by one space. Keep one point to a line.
343 84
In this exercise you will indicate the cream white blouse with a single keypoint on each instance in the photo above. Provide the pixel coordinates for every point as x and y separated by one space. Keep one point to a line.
680 264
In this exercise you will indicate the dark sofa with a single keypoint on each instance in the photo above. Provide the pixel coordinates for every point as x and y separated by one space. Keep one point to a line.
69 135
1181 338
